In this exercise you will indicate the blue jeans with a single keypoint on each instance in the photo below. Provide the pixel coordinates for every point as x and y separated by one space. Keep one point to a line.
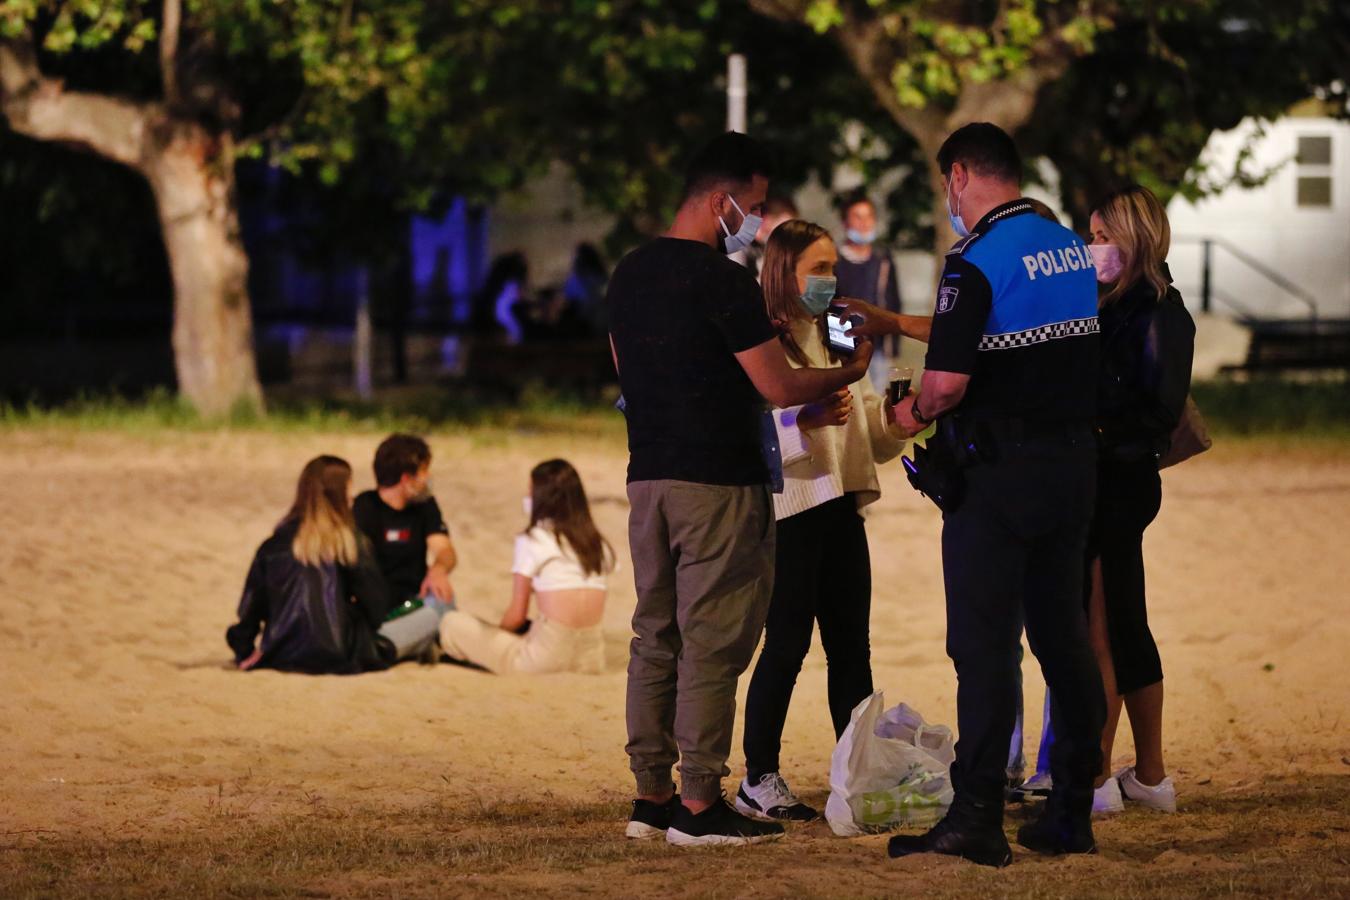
414 633
1017 760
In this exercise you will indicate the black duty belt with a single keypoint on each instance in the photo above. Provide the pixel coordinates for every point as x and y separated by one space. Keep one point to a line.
1010 430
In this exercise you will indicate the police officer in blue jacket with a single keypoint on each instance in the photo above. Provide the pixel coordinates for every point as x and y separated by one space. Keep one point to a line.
1012 368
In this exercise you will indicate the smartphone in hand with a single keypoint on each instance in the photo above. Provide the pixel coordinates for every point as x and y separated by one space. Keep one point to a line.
837 326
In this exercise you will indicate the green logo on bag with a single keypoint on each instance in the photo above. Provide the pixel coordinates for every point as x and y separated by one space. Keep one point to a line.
918 798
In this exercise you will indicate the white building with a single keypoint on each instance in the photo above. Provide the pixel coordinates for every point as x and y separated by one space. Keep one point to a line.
1278 246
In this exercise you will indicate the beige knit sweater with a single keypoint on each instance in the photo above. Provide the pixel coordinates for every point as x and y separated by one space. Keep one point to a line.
823 464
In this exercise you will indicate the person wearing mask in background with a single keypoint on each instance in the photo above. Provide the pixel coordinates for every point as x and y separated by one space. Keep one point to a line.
866 270
823 567
314 589
1011 368
777 210
562 559
404 524
1148 340
697 358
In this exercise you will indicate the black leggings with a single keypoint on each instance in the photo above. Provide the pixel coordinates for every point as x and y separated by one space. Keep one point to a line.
823 573
1128 497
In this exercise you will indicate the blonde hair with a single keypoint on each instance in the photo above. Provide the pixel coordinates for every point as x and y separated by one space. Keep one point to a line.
778 278
1137 223
327 531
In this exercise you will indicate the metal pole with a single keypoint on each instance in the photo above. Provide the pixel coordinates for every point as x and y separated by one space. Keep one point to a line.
361 338
736 93
1206 261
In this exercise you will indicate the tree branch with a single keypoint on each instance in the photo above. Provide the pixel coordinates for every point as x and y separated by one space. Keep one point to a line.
40 107
783 10
168 50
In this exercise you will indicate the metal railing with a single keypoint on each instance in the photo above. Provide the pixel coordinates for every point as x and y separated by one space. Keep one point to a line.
1207 291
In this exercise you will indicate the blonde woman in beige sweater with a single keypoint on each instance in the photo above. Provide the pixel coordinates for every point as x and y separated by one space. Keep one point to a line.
823 568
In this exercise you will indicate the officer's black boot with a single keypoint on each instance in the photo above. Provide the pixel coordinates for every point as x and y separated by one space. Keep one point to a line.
1064 826
970 830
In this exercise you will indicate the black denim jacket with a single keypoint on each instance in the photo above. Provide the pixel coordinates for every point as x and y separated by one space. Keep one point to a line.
1147 347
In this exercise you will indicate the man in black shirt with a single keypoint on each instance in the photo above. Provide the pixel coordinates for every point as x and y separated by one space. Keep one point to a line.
697 357
404 525
1011 370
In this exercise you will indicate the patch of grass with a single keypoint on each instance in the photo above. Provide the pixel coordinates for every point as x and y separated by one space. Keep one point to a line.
540 411
1289 411
1276 406
1282 839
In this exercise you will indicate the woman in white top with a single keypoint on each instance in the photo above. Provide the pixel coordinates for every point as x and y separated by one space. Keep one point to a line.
564 562
823 568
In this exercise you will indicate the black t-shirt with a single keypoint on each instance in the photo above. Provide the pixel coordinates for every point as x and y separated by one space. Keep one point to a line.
679 311
399 537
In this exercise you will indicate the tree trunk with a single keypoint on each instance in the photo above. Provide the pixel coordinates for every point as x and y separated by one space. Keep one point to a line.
191 173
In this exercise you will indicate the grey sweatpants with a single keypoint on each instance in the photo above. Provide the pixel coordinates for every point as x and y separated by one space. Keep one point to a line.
703 562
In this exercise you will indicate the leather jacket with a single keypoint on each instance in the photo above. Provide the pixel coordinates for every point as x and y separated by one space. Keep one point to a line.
1147 347
316 619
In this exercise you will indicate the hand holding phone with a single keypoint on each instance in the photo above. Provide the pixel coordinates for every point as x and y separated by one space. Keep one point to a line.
837 324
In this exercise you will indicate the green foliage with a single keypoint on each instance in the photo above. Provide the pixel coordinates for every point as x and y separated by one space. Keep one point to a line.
936 50
1143 104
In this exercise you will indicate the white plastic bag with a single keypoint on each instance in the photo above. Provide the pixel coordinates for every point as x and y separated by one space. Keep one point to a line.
889 769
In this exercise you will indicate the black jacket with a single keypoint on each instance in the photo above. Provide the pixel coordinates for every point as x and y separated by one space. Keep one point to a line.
1147 347
319 619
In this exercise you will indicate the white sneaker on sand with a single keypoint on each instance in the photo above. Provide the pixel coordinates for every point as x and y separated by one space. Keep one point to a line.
1106 800
771 800
1161 796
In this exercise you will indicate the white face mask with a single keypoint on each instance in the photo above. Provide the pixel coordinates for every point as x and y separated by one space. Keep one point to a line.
957 224
745 235
527 504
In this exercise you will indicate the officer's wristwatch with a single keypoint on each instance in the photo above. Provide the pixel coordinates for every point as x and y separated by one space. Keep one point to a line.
918 416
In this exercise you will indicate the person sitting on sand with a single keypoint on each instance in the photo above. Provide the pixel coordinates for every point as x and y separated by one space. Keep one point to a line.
314 589
404 525
564 561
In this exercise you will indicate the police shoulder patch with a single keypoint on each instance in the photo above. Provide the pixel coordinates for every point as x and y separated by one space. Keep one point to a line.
946 298
960 246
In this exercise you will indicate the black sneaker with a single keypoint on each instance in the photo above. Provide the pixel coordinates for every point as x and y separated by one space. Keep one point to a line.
650 820
980 843
772 799
718 824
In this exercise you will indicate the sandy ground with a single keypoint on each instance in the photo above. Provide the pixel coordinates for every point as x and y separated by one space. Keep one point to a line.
128 738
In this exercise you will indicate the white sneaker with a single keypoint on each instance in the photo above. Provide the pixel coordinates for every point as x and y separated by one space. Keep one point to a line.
1038 785
772 799
1106 800
1161 796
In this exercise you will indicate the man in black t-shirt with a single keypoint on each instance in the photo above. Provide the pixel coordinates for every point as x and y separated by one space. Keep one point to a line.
697 358
404 525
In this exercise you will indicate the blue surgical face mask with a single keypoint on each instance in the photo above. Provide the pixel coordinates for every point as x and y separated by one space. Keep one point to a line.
819 293
860 237
745 235
957 225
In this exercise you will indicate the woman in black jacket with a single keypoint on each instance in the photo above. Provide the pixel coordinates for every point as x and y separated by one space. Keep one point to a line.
314 588
1148 339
